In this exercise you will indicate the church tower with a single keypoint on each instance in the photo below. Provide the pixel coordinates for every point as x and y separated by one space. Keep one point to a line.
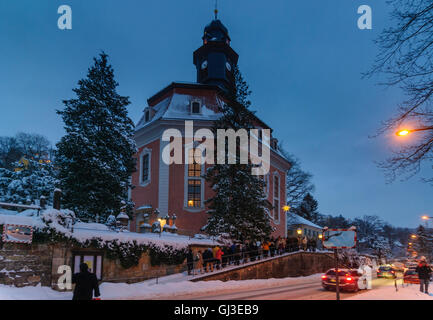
215 59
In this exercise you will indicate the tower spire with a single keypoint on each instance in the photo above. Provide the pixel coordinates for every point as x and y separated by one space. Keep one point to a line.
216 10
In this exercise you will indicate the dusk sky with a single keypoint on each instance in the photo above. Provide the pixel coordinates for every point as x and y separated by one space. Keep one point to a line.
302 59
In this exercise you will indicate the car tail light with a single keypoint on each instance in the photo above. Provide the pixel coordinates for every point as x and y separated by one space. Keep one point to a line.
348 279
324 277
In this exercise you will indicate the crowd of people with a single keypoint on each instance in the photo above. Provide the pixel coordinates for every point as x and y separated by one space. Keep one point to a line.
219 257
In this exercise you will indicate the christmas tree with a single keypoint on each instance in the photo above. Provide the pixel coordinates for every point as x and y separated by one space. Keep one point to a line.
95 157
239 208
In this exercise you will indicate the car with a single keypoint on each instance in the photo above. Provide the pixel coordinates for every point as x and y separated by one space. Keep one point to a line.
348 280
386 272
411 276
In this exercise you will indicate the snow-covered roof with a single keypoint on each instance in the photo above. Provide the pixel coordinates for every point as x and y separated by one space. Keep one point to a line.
177 106
294 219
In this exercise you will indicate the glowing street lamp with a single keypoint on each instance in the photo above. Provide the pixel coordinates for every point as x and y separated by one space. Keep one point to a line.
405 132
299 231
413 236
162 223
320 236
286 208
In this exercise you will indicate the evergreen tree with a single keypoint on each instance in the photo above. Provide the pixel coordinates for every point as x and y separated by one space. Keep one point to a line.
308 208
423 242
95 157
239 207
27 182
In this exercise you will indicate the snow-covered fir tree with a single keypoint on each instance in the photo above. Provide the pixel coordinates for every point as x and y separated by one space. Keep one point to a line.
239 207
27 182
308 208
95 157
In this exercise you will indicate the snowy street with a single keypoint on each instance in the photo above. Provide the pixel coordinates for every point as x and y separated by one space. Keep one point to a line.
305 288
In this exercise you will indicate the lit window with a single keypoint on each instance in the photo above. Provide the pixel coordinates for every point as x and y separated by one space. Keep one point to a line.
194 181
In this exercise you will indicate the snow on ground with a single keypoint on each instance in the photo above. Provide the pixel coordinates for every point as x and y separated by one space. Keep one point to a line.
167 287
408 292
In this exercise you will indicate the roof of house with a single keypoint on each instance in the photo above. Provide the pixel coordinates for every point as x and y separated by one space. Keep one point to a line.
294 219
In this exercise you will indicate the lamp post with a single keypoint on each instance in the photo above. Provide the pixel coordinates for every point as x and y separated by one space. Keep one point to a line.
299 233
426 219
162 223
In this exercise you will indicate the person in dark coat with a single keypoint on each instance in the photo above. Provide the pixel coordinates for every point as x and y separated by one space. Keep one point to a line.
86 284
424 271
190 261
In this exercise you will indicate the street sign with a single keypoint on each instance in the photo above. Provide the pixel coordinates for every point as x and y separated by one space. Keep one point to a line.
339 238
17 233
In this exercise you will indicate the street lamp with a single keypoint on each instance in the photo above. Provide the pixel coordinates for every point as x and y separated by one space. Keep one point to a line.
286 208
162 223
405 132
413 236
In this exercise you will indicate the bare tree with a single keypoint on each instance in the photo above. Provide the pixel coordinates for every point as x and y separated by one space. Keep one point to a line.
298 182
406 59
9 152
33 145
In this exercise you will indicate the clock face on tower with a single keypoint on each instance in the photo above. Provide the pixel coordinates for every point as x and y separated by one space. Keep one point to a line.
204 65
228 66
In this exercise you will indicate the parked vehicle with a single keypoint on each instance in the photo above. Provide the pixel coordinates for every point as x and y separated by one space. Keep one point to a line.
386 272
411 276
348 280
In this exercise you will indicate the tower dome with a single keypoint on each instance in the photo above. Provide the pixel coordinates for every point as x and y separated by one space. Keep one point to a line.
216 31
215 59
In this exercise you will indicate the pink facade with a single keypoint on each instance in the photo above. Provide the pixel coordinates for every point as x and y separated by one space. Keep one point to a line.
166 187
180 189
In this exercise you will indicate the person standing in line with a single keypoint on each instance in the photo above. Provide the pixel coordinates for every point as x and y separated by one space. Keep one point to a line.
199 259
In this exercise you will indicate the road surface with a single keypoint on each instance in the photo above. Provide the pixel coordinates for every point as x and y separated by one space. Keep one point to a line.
308 290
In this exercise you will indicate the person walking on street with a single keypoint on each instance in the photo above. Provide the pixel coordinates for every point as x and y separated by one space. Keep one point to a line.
424 271
86 284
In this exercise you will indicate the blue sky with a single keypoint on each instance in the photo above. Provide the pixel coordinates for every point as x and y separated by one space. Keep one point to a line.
302 59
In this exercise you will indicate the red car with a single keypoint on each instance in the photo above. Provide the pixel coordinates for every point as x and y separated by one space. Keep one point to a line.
348 280
411 276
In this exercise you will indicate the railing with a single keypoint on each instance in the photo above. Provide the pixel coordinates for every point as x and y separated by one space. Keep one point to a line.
238 259
19 206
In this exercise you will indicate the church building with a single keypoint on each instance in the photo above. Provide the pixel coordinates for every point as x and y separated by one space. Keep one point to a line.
162 190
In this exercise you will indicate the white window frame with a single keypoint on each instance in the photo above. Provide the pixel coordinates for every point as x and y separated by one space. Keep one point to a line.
145 152
276 174
202 185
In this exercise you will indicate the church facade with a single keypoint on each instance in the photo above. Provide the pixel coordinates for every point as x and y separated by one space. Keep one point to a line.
161 189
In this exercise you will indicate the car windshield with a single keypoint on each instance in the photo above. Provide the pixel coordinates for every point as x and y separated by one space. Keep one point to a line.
385 269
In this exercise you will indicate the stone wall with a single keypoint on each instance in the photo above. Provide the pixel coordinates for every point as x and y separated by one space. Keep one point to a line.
25 265
33 264
291 265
